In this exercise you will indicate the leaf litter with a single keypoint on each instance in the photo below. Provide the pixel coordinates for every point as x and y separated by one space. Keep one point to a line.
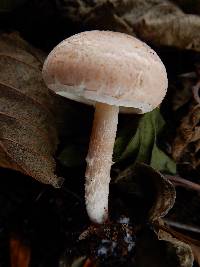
186 146
161 23
28 135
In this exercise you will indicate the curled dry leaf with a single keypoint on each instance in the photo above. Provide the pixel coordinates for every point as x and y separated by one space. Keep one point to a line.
158 192
181 242
164 191
183 250
28 136
150 251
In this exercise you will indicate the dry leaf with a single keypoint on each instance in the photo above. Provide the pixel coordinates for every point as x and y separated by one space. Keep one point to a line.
19 253
182 90
196 253
164 192
28 137
186 145
183 250
158 192
161 252
185 245
156 21
186 107
163 23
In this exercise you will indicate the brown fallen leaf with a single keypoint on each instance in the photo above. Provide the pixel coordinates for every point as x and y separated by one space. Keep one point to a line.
189 244
185 104
181 90
152 250
196 253
19 253
186 145
156 21
183 250
163 23
158 191
28 136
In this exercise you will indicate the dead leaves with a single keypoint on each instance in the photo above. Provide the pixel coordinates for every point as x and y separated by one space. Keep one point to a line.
186 144
187 248
164 192
165 24
152 187
156 21
183 250
196 253
147 189
28 136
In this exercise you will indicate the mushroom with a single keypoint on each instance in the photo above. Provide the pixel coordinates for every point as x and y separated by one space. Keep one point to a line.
114 72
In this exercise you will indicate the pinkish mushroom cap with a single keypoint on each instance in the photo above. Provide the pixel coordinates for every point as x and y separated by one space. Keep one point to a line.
108 67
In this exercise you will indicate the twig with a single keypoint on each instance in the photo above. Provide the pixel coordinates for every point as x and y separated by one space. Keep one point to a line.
183 226
179 181
40 195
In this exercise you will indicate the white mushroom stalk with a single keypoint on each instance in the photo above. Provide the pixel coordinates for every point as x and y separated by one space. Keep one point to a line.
99 161
113 72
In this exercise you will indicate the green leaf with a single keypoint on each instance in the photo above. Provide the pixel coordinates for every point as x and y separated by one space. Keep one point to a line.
132 146
142 147
160 161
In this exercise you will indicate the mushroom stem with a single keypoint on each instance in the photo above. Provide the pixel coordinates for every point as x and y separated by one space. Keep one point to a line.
99 161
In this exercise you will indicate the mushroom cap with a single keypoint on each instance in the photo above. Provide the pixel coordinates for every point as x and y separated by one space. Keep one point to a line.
108 67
